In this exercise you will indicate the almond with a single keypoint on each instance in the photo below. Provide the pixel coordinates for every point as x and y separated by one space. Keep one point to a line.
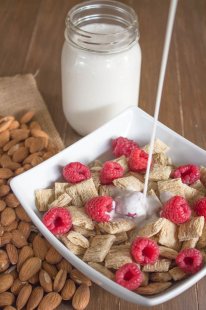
65 265
25 229
29 159
51 269
79 278
6 238
35 144
35 125
40 247
4 190
13 149
36 161
1 230
45 281
68 290
8 216
38 133
9 308
4 261
35 298
52 256
11 201
14 125
17 286
22 215
5 122
25 253
6 299
18 239
19 171
8 145
29 268
4 137
12 253
23 296
20 154
2 205
6 281
27 117
81 297
11 227
20 134
50 301
5 173
60 280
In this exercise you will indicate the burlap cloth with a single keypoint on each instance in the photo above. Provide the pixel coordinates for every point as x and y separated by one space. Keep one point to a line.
19 94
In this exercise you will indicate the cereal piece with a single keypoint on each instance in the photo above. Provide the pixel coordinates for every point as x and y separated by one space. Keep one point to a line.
153 288
129 183
161 159
102 269
168 235
82 192
191 229
78 239
145 280
151 228
43 197
95 165
80 218
96 179
118 256
152 185
107 190
161 265
99 248
174 187
191 194
177 274
202 240
122 160
167 252
189 243
153 202
160 277
60 188
83 231
121 237
199 186
76 249
159 147
117 226
62 201
137 175
159 173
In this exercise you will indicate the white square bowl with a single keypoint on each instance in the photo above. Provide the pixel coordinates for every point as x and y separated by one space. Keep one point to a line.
134 124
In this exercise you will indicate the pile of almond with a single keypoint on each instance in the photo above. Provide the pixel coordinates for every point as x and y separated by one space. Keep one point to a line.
33 275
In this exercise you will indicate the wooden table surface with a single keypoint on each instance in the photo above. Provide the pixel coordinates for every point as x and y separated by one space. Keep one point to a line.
31 36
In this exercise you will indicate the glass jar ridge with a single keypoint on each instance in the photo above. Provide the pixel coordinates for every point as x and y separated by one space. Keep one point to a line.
102 12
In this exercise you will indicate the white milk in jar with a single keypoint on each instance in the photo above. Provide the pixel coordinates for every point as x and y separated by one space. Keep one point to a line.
101 61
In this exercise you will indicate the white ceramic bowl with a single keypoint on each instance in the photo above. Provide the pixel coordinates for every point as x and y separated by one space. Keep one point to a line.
132 123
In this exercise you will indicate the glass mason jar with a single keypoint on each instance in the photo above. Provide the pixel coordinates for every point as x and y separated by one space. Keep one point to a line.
101 61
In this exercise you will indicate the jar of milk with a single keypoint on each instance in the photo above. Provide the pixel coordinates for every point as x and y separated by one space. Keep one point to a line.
101 61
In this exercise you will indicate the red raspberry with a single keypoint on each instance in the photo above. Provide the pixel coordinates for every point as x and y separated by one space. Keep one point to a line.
76 172
129 276
98 207
188 173
189 260
58 220
176 210
110 171
138 161
200 207
144 250
123 146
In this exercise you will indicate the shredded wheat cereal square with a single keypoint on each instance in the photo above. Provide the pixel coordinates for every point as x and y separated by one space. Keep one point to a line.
161 159
172 186
99 248
62 201
160 277
167 252
60 188
151 228
80 218
123 162
76 249
78 239
161 265
43 197
191 229
107 190
189 243
159 173
117 226
159 147
102 269
129 183
177 274
118 256
85 232
168 235
121 237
